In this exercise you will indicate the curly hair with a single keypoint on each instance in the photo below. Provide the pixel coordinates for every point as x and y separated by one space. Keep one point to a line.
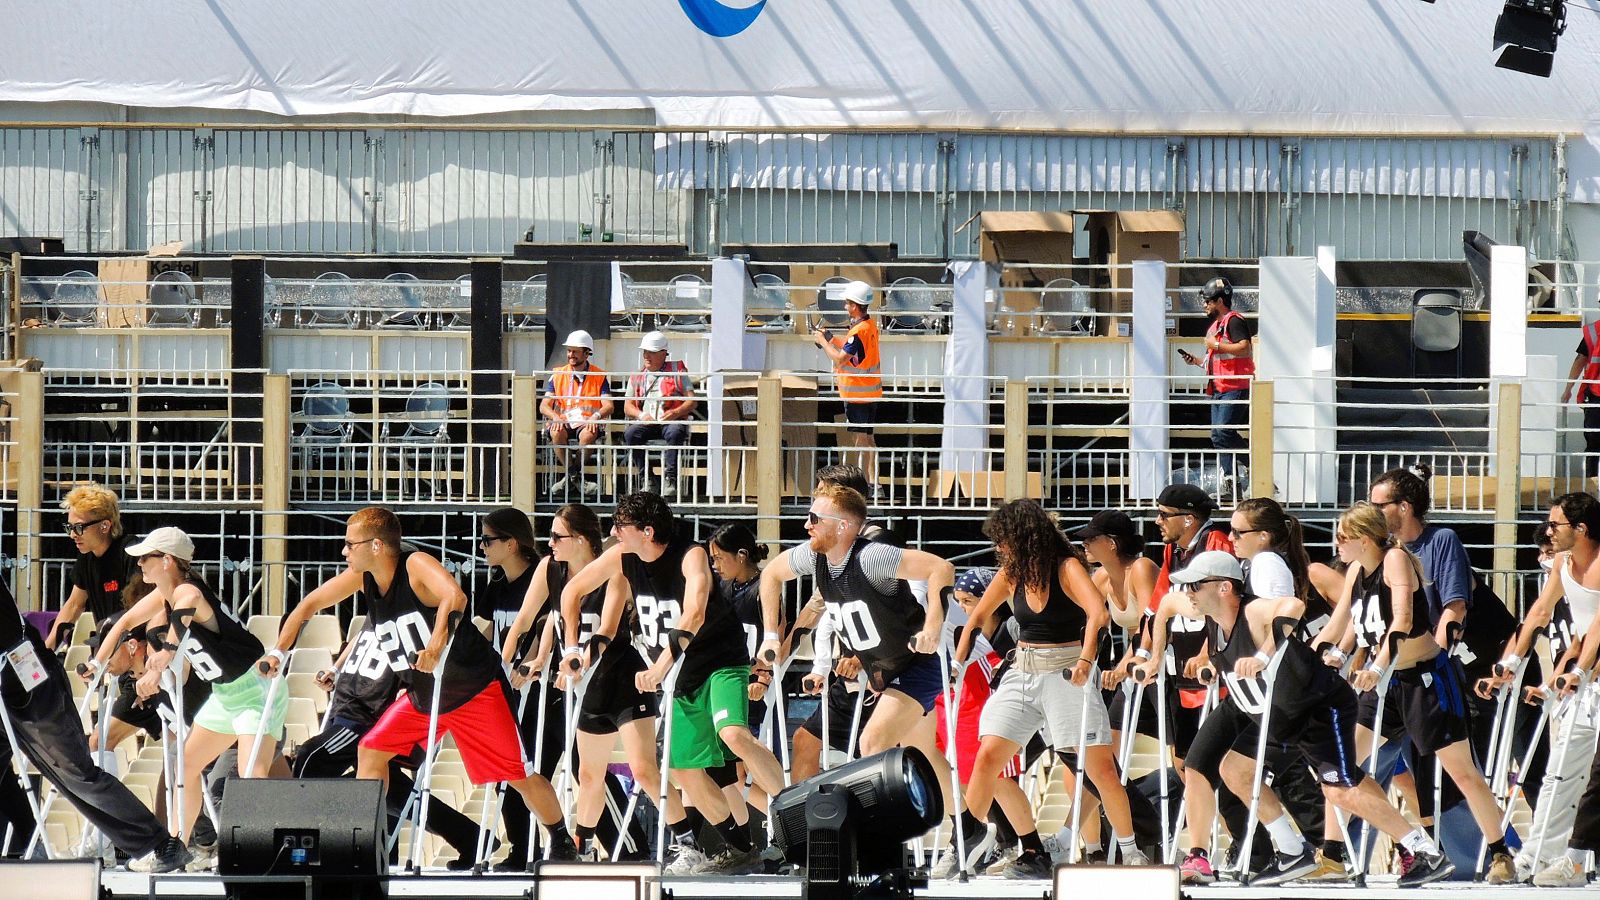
1409 485
642 510
95 502
1029 543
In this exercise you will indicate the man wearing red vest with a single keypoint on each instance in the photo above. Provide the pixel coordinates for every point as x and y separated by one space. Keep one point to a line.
856 371
1583 385
577 403
658 403
1228 366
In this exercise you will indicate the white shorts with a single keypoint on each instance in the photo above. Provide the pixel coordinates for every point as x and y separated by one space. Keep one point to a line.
1026 704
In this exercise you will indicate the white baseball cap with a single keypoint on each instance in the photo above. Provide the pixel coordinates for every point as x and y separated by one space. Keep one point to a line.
857 292
654 342
169 540
1208 565
580 338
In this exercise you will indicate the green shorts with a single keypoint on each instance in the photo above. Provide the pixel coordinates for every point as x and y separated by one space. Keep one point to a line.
235 707
697 717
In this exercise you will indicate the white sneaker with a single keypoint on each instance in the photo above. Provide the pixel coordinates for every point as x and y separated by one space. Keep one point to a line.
591 488
204 858
682 859
946 866
559 486
1561 873
669 489
1001 860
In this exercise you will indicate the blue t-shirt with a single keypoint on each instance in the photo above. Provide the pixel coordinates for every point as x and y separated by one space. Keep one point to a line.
1446 571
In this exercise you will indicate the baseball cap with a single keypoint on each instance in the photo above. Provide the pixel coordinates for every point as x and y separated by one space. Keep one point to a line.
1187 497
653 342
1115 524
857 292
1207 565
169 540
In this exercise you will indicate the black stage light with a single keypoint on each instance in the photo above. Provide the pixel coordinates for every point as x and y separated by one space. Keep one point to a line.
1528 31
848 826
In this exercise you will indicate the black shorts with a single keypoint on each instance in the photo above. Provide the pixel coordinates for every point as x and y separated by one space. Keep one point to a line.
1433 705
145 715
1394 726
1183 722
841 711
1324 731
860 417
1226 728
613 699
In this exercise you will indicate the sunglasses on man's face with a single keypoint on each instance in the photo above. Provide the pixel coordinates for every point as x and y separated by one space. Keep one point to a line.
816 518
76 529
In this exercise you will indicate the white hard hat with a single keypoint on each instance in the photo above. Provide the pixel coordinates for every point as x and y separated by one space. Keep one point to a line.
857 292
654 342
580 338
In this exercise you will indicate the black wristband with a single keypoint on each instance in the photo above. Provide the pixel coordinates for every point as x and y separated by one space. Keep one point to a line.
947 596
597 646
678 641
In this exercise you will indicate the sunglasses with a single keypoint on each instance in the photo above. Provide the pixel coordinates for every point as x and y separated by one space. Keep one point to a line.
350 545
1163 514
1241 533
489 539
557 537
76 529
814 518
1193 587
150 556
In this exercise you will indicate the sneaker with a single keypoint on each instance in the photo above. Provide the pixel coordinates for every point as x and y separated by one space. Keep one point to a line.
945 867
669 488
996 863
590 488
1094 858
1030 865
1285 867
978 848
559 486
729 861
1561 873
1134 857
682 859
1196 869
169 856
1327 870
564 850
1502 870
203 857
1423 868
515 861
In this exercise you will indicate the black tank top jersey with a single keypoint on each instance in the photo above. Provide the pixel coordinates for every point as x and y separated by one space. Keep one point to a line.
404 626
1060 622
591 610
1560 630
746 600
1300 679
499 601
1371 609
365 685
658 589
875 626
222 655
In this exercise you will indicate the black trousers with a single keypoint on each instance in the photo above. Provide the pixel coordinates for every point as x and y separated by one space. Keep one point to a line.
50 736
332 754
15 810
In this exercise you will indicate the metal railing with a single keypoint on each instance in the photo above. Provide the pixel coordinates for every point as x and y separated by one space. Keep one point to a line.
413 189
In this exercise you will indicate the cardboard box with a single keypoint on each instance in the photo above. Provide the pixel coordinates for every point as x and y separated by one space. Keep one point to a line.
799 427
125 281
812 276
1015 239
1120 238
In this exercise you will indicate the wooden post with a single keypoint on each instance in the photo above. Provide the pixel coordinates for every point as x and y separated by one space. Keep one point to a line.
1261 397
524 441
1508 484
1016 439
769 458
29 450
275 462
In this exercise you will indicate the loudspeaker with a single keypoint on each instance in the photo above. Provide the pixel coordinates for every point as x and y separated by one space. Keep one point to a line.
332 828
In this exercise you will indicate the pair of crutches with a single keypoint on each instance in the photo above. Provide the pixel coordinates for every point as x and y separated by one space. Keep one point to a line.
1269 678
1574 709
952 720
1169 851
491 812
1164 765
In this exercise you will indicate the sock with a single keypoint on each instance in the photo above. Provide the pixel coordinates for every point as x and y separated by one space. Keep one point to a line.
1004 832
1333 851
1030 842
1284 838
1198 851
1498 847
558 831
685 829
584 834
970 825
735 834
1417 841
1126 845
1092 847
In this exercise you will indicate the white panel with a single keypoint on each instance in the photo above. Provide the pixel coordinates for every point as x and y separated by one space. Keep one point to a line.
1148 437
1508 312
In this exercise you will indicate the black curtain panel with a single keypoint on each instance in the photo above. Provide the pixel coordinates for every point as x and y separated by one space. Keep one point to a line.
577 295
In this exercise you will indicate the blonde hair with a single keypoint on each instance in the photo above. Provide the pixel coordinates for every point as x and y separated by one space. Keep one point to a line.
1363 520
95 502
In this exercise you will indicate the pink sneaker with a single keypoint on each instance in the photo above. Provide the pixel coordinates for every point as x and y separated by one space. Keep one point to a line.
1196 869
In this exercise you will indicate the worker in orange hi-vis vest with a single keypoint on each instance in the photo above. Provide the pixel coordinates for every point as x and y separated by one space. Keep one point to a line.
1583 386
577 403
856 370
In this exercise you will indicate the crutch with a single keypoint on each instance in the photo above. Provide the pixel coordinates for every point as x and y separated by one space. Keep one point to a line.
1181 821
855 716
668 686
950 721
1510 799
774 701
1573 711
103 726
1269 677
266 711
1132 701
491 812
20 763
1169 661
534 839
574 703
431 749
1505 720
1382 691
1090 684
826 733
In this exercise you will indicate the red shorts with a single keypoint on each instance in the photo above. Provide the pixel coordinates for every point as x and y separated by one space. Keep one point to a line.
485 733
974 691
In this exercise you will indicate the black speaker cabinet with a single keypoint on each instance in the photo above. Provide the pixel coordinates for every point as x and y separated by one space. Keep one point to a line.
333 829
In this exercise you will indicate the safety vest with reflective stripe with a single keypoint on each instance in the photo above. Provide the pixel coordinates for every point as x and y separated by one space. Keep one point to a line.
1227 371
578 389
860 383
1587 385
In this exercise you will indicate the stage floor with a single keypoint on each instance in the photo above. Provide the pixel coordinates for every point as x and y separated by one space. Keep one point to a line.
443 884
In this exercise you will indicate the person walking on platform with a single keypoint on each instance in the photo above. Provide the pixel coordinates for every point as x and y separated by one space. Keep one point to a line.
1229 365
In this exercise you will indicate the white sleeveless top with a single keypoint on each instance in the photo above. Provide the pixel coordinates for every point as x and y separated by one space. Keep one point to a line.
1583 601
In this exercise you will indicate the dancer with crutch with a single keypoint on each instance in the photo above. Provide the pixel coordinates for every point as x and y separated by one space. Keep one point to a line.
609 705
1060 614
1384 610
411 598
686 626
182 614
736 558
1565 607
1578 682
41 725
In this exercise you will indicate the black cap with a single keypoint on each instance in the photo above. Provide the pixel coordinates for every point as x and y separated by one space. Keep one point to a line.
1187 497
1115 524
1217 287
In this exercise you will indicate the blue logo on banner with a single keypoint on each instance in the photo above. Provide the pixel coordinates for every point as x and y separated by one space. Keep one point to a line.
718 19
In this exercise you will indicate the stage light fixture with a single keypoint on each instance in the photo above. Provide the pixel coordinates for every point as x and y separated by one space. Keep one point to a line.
1526 33
848 826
